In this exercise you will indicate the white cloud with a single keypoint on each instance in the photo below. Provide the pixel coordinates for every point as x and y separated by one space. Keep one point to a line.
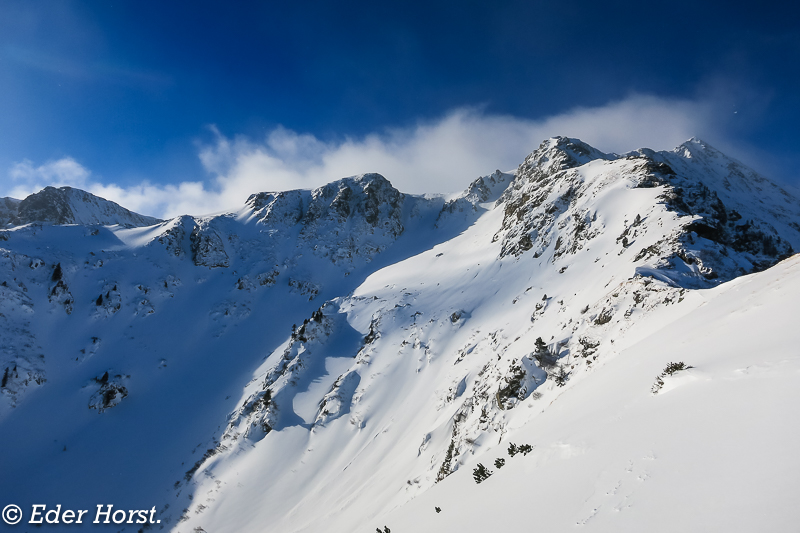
58 173
435 156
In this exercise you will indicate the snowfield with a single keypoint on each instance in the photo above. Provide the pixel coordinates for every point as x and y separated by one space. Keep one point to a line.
342 359
713 450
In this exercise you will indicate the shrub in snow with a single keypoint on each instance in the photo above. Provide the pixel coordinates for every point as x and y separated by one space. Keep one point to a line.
668 371
499 462
481 473
544 355
561 377
524 449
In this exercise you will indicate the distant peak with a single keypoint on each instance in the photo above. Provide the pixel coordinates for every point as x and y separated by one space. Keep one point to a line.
67 205
695 145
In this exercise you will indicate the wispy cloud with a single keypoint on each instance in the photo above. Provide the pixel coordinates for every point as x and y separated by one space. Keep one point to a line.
434 156
29 178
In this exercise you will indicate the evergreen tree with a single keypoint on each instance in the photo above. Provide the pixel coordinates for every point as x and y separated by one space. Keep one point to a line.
541 347
5 379
57 274
561 376
481 473
543 355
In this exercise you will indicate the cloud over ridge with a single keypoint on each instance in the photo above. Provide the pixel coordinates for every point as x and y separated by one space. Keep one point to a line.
436 156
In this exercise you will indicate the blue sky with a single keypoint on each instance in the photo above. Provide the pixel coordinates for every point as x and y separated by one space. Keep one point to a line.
211 101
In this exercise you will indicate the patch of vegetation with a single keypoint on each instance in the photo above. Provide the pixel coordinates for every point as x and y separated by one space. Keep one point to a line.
446 468
514 388
604 317
544 356
561 376
669 370
524 449
481 473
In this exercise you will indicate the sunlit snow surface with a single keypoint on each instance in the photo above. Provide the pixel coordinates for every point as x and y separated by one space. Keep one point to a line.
715 450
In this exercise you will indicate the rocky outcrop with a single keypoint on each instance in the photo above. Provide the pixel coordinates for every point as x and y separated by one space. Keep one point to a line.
716 234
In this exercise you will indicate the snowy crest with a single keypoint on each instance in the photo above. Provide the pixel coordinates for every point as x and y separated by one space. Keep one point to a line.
65 205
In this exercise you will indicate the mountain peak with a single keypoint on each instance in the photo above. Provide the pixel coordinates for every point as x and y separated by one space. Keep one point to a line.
560 153
67 205
695 146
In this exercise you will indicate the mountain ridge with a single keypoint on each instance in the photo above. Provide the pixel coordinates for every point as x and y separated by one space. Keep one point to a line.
68 205
310 335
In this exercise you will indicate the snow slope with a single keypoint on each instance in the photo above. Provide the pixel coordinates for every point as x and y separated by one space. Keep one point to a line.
713 450
338 359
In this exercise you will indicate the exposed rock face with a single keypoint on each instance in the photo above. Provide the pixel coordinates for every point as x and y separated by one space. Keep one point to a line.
268 406
483 189
207 248
22 363
350 219
65 205
174 237
279 209
110 391
353 217
9 207
718 236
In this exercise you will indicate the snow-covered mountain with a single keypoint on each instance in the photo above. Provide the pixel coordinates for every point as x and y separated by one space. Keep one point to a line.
342 359
65 205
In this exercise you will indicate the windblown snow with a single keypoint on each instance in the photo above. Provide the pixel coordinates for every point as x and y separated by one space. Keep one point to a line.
343 359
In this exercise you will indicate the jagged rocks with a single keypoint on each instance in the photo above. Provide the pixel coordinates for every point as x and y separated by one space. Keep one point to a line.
353 218
272 393
483 189
543 191
337 402
110 391
59 292
278 209
174 236
267 279
520 381
22 362
208 249
108 302
304 288
546 210
91 348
